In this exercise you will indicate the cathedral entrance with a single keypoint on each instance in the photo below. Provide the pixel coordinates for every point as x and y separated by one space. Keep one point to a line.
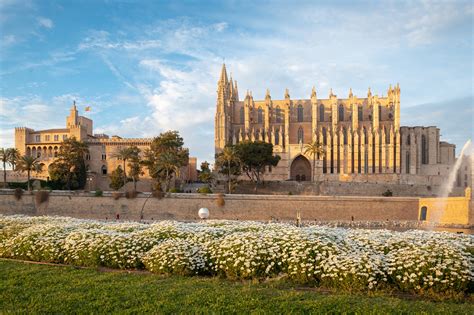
300 169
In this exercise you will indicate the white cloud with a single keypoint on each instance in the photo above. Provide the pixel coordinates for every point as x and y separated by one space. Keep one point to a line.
45 22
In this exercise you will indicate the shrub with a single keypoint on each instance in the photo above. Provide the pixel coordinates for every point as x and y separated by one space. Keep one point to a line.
41 196
131 194
158 194
98 193
220 202
204 190
18 193
177 256
387 193
175 190
117 195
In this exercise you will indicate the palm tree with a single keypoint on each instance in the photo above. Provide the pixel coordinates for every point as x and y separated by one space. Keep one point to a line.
227 157
13 156
4 159
314 149
124 154
29 164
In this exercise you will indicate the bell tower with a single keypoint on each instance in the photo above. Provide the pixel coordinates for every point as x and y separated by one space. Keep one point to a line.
223 112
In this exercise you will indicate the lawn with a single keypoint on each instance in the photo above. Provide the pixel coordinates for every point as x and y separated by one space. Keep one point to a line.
31 288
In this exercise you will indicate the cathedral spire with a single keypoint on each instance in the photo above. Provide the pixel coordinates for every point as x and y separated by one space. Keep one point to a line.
369 93
350 93
267 94
223 78
331 94
287 94
313 92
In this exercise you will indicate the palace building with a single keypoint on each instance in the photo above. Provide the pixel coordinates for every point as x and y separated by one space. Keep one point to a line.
100 162
362 137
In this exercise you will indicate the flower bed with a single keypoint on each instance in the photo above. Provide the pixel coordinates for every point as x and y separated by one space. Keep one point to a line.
412 261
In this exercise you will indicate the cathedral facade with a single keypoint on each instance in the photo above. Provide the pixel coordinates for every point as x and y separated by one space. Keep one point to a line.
362 137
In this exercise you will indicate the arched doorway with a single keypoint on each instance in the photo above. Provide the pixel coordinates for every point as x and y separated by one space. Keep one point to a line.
300 169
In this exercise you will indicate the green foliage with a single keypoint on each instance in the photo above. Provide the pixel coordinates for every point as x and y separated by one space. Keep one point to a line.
205 174
175 190
117 178
68 171
387 193
98 193
228 163
254 157
8 156
204 190
29 164
165 157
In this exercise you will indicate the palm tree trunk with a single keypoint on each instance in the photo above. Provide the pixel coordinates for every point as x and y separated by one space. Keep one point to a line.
228 177
4 175
124 175
28 176
314 164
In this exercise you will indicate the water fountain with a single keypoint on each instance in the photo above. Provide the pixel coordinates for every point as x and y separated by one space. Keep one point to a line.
443 200
448 186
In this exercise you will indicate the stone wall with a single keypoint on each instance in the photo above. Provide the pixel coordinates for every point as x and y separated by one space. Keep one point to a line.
237 207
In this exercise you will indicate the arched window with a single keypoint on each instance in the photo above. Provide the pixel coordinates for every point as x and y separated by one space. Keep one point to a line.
277 137
341 112
321 112
344 132
300 135
325 138
360 113
365 136
408 140
242 115
380 113
104 170
424 150
407 163
260 115
387 136
278 114
300 113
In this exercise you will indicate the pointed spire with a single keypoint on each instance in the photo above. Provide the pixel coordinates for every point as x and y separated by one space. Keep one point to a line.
223 78
74 105
287 94
350 93
331 94
369 93
313 92
267 95
236 91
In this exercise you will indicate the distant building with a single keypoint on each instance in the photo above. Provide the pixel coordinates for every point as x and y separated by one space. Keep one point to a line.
362 137
45 144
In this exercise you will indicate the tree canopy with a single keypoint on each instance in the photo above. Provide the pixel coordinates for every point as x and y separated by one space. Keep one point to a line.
254 157
68 171
165 158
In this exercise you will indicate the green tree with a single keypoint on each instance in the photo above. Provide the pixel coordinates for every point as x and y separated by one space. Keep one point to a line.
13 156
125 154
205 174
135 165
68 171
165 158
228 163
29 164
117 178
314 149
8 156
254 157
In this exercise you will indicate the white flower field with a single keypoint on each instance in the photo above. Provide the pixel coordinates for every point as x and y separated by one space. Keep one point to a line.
412 261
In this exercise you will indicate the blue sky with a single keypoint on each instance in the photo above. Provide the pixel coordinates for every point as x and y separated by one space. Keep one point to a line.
148 66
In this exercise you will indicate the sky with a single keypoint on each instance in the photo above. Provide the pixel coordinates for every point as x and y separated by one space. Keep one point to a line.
145 67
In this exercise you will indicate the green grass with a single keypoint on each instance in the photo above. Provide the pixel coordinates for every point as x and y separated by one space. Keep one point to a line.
30 288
